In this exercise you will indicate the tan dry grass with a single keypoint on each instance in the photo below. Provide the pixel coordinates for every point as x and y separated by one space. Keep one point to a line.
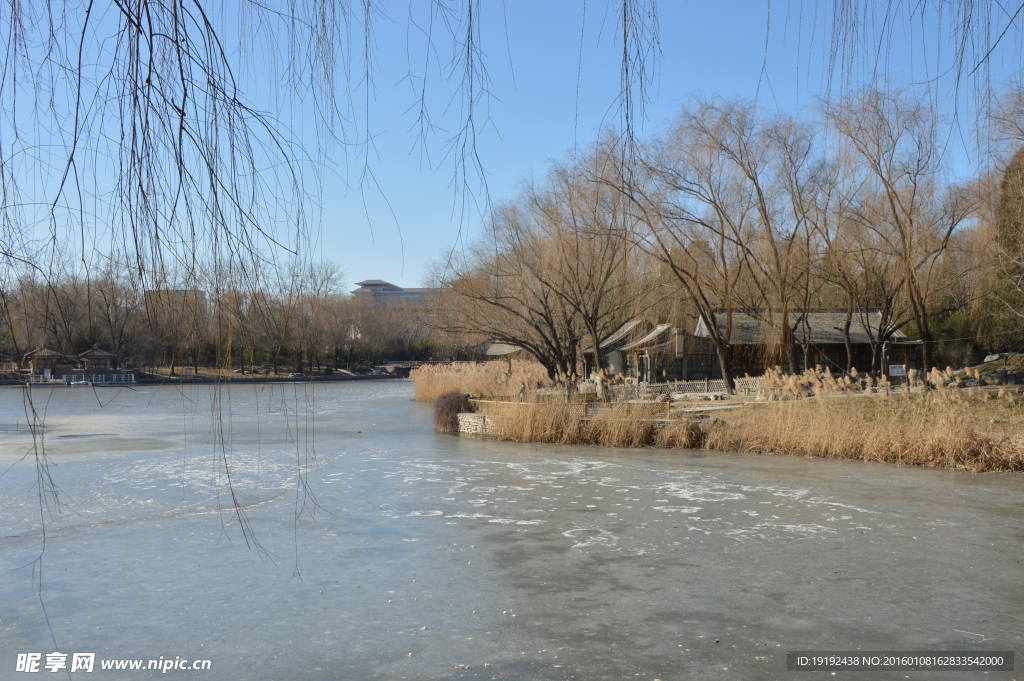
447 408
940 429
778 386
617 426
487 379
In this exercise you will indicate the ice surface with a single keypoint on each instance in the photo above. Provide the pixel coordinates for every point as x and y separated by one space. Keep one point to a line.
386 539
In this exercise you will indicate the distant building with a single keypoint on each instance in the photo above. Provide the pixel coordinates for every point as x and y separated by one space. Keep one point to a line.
381 293
640 352
491 351
669 353
47 362
819 340
98 360
611 349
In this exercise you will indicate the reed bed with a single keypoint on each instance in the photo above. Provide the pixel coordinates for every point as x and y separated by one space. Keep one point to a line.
939 429
487 379
617 426
778 386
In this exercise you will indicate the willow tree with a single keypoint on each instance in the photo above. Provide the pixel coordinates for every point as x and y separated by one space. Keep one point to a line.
892 138
1006 203
506 289
588 228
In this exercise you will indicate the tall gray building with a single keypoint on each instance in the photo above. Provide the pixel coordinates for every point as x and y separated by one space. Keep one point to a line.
385 294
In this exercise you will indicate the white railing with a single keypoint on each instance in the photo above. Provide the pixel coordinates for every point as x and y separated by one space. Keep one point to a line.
715 385
751 383
82 379
644 391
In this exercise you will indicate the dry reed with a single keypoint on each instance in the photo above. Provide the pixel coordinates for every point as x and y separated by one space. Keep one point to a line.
619 425
447 408
940 429
486 379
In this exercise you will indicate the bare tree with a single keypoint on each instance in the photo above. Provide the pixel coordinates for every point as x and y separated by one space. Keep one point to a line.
501 292
587 227
726 202
870 282
696 224
118 308
892 139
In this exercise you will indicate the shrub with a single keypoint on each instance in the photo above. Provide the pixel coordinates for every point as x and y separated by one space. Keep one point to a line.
447 408
486 379
686 433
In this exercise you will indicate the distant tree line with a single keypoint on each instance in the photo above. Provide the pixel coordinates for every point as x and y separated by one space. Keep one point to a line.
300 321
734 209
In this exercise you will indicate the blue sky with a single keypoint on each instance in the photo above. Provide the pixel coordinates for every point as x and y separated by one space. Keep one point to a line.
555 74
550 93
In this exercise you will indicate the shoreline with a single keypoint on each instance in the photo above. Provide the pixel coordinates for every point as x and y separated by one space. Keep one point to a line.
973 433
176 380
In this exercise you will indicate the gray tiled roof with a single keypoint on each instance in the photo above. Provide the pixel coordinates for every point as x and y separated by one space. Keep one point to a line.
97 352
660 334
495 349
43 352
379 282
619 335
816 328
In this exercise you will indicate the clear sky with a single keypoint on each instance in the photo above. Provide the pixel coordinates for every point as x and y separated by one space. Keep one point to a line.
555 69
386 209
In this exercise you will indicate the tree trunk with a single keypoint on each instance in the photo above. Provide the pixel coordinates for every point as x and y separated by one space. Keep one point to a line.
926 346
724 362
789 348
846 339
599 365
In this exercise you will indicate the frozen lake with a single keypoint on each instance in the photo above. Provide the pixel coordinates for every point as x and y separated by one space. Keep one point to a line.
432 557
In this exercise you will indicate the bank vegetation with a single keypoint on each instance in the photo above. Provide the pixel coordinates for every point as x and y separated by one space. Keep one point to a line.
814 414
959 430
